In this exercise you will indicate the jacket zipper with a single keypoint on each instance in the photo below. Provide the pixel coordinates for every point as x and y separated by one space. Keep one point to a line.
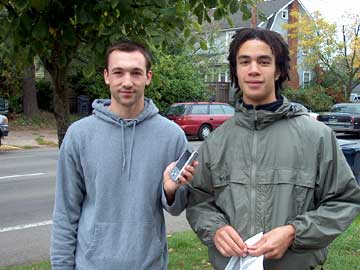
253 181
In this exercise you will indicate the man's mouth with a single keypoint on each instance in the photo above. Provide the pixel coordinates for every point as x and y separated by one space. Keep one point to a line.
254 83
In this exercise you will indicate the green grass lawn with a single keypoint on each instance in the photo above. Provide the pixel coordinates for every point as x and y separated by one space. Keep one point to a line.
187 253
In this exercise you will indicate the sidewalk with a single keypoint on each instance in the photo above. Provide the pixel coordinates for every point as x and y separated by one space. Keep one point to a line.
24 139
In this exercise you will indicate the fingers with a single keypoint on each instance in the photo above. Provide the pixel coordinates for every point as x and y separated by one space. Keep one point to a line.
274 243
260 248
229 243
188 174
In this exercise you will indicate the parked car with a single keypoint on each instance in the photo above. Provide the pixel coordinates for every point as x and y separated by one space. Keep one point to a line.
343 117
4 106
4 127
199 118
355 97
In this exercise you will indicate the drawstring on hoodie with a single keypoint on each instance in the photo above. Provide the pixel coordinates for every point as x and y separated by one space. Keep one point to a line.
134 122
123 144
131 147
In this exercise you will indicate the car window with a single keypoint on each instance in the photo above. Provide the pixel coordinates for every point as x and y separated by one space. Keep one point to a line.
199 109
228 109
346 109
176 110
216 109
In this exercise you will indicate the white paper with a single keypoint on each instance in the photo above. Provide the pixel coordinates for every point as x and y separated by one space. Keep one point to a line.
248 262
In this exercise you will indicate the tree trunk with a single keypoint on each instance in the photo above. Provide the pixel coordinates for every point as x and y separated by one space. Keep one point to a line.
30 105
61 103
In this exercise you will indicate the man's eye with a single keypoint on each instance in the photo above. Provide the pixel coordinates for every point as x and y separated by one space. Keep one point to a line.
264 62
243 62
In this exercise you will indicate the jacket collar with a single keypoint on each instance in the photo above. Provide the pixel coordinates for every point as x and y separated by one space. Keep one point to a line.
260 118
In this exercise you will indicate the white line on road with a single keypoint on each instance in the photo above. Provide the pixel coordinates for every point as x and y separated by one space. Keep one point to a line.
8 177
20 175
26 226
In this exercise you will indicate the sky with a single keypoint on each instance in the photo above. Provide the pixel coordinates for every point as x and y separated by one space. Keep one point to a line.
332 10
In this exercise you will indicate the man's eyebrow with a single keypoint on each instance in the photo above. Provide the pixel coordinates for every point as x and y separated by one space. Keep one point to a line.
115 69
266 57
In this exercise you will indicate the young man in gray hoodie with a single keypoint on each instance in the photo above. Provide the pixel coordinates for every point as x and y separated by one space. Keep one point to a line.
113 176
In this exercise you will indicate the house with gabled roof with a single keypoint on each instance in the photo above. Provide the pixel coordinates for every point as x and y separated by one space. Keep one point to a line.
269 14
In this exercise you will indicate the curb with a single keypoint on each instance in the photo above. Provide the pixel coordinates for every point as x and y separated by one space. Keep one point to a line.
9 147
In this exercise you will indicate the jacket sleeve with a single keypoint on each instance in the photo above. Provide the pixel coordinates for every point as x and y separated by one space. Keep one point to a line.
69 195
336 198
202 213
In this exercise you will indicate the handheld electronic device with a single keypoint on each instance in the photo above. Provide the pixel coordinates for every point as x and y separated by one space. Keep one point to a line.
186 158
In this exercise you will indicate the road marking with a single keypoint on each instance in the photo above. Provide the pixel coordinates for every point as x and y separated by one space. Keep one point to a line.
19 176
26 226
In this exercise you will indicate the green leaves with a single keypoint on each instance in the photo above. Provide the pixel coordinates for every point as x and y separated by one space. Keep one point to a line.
20 4
40 30
39 5
69 36
234 6
203 44
246 12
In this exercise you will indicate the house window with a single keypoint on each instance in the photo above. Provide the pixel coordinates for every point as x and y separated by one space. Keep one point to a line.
223 76
284 14
228 38
306 78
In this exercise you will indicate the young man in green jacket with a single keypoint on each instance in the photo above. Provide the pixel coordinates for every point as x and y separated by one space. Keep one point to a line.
271 169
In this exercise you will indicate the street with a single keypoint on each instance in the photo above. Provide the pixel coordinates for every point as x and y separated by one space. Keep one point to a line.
27 184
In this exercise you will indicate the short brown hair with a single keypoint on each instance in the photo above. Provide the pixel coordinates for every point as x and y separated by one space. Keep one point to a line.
129 46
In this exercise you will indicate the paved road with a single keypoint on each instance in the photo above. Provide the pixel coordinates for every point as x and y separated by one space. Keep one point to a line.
27 184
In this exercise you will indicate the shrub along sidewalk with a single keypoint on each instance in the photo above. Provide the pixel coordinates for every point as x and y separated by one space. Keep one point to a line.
187 253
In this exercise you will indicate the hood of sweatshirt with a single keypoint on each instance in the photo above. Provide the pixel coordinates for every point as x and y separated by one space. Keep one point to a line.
260 119
102 111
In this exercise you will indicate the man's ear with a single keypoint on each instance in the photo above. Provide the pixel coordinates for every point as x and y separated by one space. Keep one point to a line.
149 77
106 76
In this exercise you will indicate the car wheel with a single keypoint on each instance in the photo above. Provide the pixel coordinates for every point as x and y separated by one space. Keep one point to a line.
204 132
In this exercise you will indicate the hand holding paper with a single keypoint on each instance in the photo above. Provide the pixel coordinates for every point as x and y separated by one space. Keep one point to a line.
274 243
248 262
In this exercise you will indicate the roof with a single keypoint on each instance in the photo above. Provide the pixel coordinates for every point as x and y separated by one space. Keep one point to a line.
268 8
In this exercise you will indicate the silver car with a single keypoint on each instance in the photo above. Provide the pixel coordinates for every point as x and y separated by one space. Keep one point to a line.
4 126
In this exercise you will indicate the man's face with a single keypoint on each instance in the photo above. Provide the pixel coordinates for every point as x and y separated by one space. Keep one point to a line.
127 77
256 72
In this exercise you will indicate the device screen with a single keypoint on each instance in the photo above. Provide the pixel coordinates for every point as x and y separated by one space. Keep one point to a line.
183 159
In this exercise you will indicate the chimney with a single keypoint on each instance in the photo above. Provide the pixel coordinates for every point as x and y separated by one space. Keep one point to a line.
293 46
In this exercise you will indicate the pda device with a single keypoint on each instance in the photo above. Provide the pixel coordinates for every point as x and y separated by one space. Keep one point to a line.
186 158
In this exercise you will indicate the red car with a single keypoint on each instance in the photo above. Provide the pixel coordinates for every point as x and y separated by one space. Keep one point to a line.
199 118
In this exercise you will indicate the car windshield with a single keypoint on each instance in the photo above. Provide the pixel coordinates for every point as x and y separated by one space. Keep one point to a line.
175 110
346 109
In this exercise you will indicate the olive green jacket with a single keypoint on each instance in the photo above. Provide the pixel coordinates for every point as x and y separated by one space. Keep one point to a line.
262 170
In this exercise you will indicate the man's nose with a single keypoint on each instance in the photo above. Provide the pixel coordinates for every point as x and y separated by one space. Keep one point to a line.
254 68
127 81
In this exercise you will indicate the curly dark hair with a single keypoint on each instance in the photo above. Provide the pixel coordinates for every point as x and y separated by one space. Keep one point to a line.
277 45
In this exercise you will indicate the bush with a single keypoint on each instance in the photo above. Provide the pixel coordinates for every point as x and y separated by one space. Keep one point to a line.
313 97
176 79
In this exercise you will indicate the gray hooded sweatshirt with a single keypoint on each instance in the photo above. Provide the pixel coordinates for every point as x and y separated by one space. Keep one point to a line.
109 201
